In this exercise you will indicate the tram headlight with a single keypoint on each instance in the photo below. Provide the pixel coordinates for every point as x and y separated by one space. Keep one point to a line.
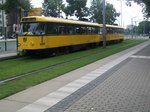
19 44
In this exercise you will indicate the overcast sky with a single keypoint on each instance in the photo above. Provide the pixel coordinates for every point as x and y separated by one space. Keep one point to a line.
135 11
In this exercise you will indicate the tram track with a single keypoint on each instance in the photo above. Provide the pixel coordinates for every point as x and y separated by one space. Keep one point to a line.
34 72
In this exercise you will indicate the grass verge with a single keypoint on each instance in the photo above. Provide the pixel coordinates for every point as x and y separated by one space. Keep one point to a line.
21 65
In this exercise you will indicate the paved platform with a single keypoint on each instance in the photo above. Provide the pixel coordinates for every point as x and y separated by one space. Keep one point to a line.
119 83
125 89
8 54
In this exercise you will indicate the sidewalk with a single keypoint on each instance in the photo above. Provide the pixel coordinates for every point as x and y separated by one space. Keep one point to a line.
7 54
117 83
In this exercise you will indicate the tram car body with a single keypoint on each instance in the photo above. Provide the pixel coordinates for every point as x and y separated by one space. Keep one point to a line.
39 33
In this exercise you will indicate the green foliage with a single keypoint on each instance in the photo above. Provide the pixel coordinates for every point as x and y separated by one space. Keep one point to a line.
53 8
96 12
25 4
144 3
13 5
76 8
146 7
144 27
111 14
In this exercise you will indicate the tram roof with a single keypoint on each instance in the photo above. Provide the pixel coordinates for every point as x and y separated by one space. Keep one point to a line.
66 21
113 26
57 20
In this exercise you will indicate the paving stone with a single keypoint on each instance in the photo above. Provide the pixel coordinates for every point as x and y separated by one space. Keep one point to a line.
124 88
127 90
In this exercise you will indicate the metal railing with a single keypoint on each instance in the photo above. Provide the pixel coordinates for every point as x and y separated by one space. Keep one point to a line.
8 45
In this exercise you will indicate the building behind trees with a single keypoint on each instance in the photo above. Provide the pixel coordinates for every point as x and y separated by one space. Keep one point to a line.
3 20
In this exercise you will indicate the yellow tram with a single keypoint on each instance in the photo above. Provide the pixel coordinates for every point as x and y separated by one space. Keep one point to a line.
39 33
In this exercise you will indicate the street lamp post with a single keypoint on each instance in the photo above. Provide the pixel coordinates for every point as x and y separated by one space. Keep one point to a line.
3 28
135 33
144 27
120 12
132 25
104 24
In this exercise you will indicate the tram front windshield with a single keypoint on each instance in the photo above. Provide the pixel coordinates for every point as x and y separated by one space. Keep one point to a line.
32 29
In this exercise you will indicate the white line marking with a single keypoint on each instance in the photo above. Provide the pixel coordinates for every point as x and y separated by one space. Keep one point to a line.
140 57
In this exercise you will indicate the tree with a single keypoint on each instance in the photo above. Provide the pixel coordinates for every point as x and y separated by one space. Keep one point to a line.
111 14
53 8
14 9
11 6
144 27
96 12
76 8
144 3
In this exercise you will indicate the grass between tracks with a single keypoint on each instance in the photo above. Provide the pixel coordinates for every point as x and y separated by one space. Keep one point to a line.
14 67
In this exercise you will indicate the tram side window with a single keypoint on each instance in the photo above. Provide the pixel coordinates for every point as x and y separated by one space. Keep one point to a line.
111 30
97 30
83 30
115 31
40 30
69 29
61 30
64 29
88 30
77 30
108 30
119 31
52 29
122 30
100 31
93 30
